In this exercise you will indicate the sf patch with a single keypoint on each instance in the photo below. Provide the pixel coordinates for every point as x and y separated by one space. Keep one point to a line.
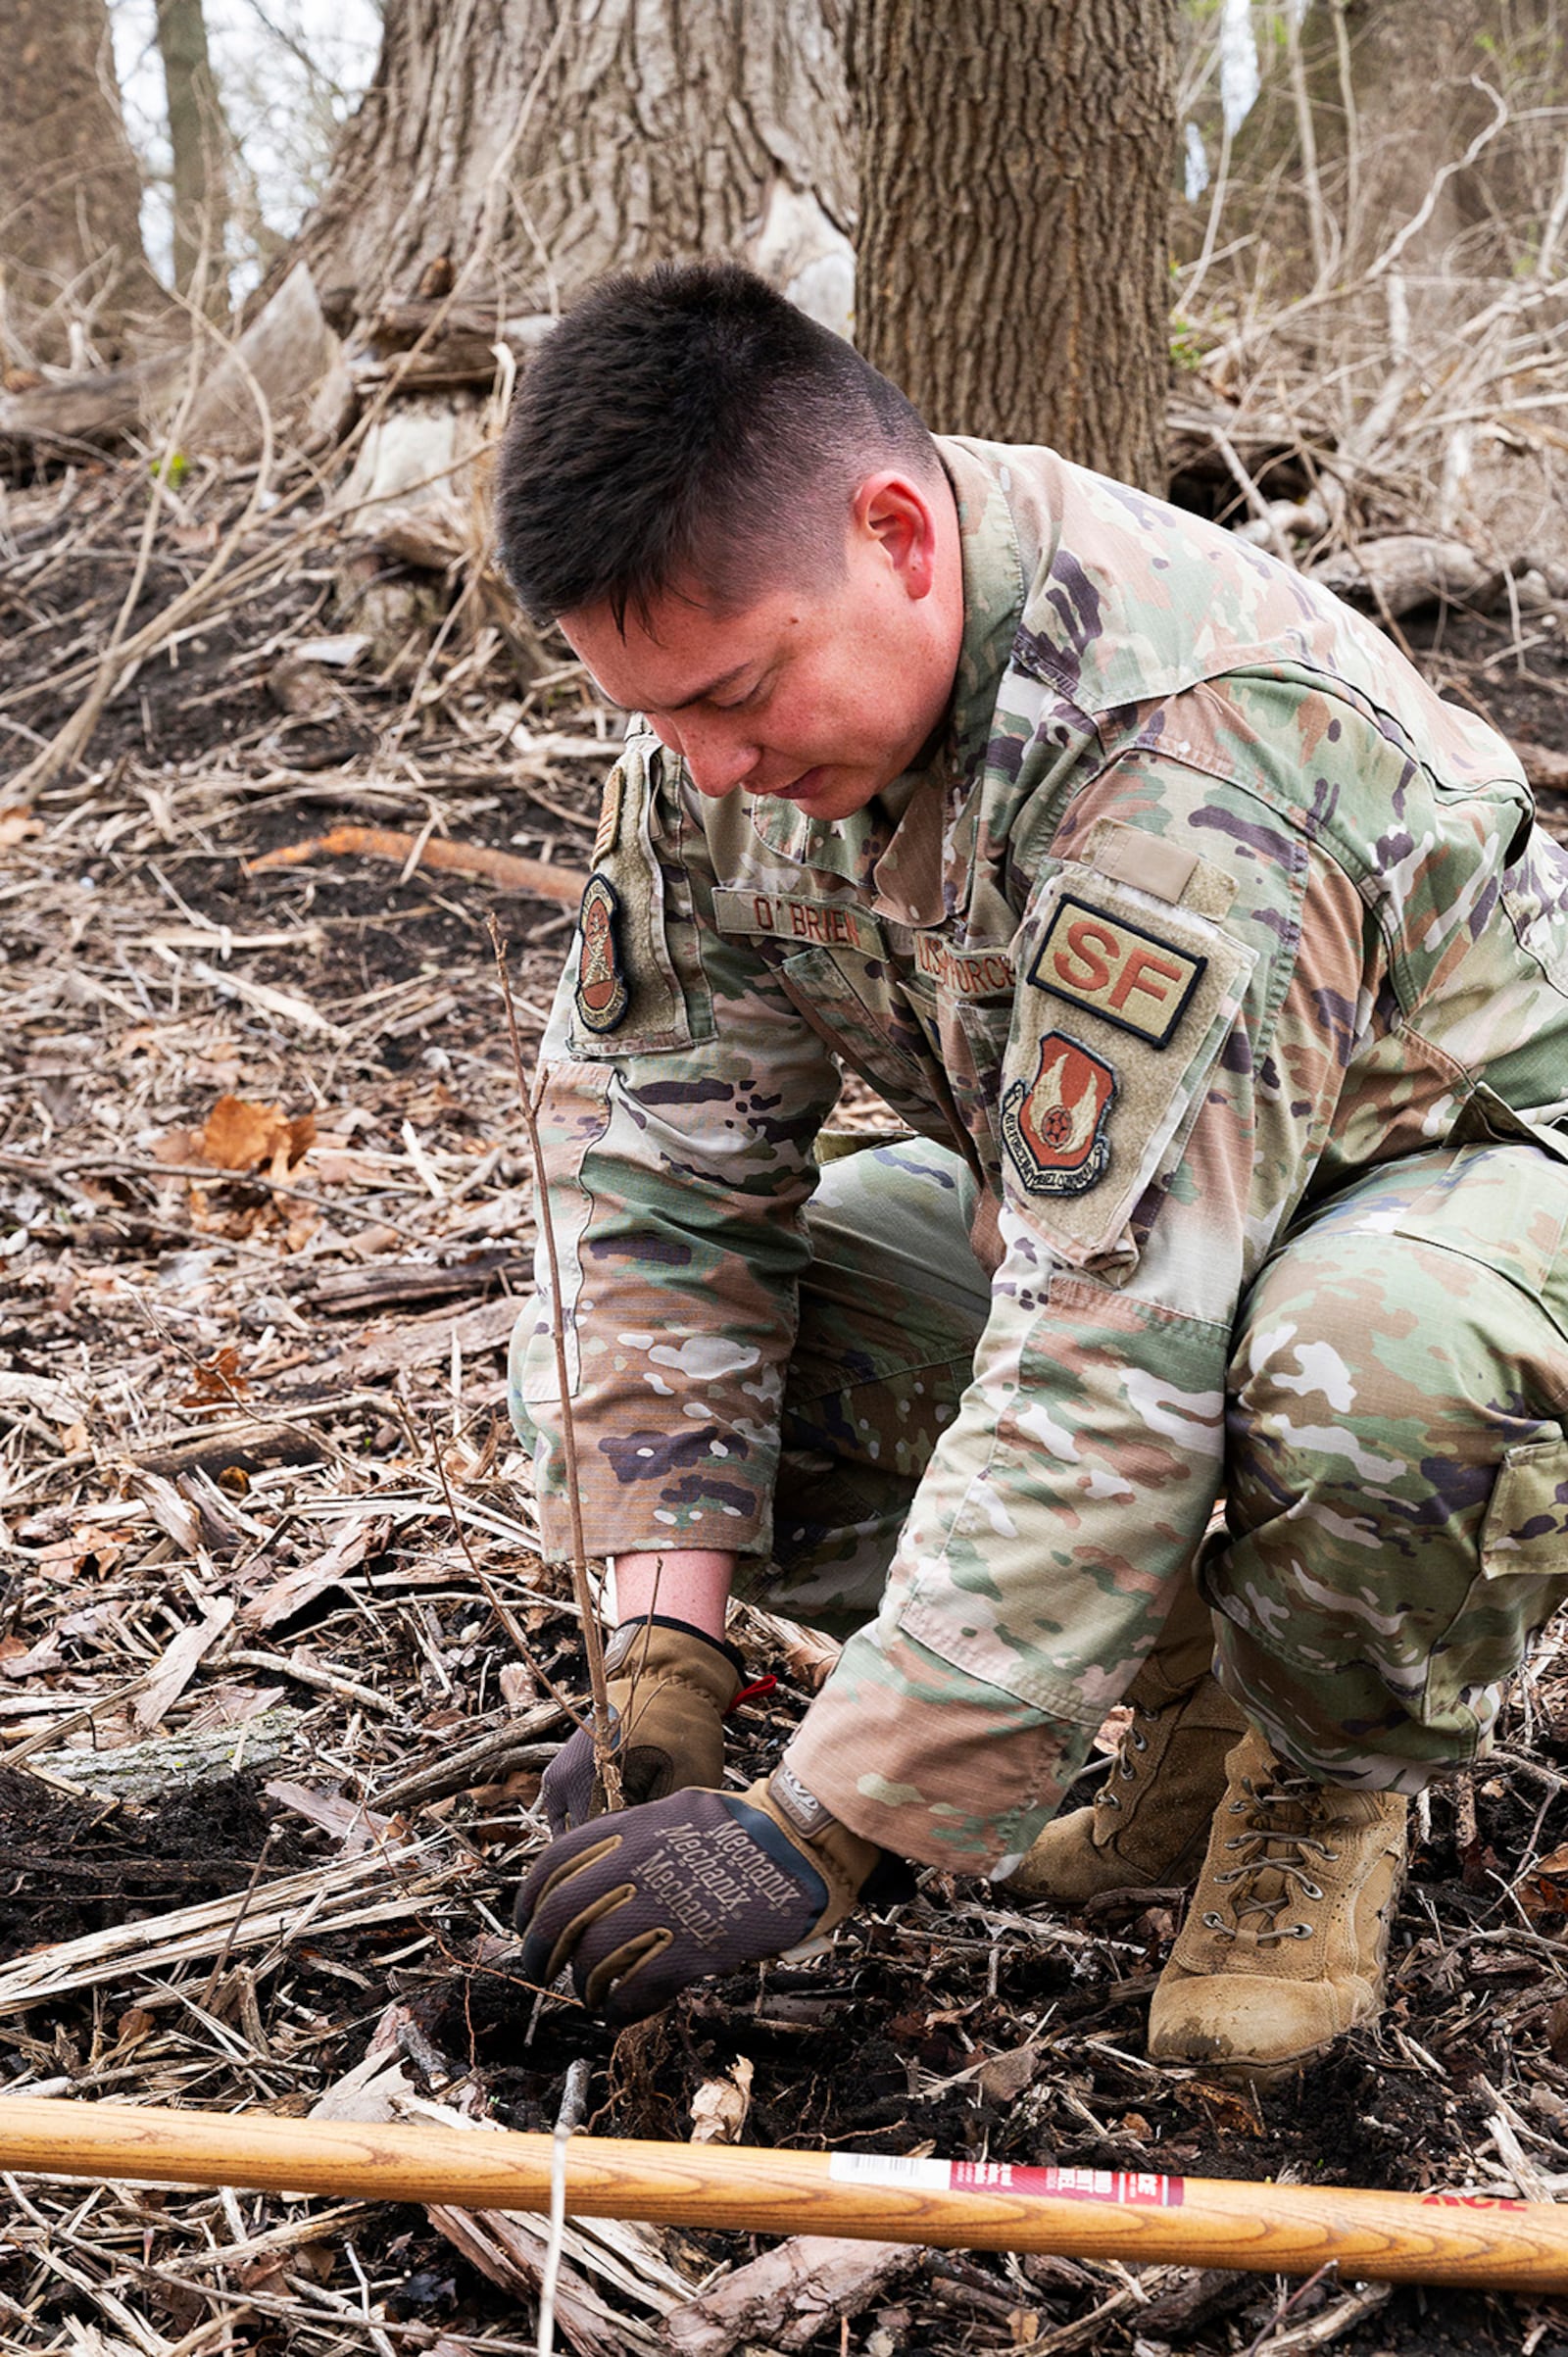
1133 980
1055 1123
602 995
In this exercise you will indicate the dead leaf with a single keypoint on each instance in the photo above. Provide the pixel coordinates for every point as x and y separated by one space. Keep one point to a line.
216 1378
240 1135
1003 2077
16 823
177 1145
1545 1891
720 2105
1226 2109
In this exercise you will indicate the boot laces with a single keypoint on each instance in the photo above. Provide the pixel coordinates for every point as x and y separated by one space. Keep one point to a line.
1280 1848
1134 1743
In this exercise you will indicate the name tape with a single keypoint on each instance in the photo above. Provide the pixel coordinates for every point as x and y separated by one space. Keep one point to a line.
830 924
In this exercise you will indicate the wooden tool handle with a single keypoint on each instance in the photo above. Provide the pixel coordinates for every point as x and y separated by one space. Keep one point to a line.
987 2205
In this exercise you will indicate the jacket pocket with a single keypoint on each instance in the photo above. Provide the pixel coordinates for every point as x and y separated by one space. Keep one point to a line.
1523 1578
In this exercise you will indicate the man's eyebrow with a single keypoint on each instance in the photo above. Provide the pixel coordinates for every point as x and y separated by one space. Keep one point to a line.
701 694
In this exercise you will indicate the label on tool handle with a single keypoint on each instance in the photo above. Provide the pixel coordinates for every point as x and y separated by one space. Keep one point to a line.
1136 2186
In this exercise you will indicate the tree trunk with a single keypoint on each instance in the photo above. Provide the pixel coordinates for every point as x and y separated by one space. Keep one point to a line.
1013 264
198 138
521 148
70 191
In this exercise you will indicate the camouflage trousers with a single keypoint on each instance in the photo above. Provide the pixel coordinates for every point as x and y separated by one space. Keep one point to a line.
1396 1461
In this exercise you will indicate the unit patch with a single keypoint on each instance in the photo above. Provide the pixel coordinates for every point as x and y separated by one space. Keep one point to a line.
1054 1124
1132 979
602 995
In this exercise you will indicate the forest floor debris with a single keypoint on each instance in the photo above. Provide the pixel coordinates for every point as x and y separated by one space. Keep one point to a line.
277 1646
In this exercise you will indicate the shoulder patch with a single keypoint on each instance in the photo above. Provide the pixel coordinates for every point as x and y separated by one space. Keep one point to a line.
1096 1109
1133 979
601 989
1055 1123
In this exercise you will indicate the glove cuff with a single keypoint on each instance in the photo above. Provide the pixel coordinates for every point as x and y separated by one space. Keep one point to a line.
843 1860
662 1650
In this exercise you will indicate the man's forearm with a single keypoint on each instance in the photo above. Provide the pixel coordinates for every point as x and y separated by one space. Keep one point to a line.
678 1583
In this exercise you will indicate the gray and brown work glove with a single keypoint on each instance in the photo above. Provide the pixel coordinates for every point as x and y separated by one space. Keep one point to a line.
643 1901
670 1687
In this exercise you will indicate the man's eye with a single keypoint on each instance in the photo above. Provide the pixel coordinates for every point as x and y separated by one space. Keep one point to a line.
739 703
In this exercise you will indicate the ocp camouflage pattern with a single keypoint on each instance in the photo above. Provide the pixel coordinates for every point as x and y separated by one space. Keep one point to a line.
1206 875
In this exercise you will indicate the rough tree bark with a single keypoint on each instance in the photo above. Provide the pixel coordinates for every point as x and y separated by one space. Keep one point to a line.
69 192
526 146
1017 157
197 136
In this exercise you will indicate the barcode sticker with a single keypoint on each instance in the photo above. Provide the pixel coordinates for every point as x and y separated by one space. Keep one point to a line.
890 2169
1135 2187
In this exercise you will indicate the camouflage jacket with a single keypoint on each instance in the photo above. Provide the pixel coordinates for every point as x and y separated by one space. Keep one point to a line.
1208 905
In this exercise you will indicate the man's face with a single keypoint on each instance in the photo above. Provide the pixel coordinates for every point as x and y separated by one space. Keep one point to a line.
820 693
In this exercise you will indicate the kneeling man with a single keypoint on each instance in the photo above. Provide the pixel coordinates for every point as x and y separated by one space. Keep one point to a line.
1218 977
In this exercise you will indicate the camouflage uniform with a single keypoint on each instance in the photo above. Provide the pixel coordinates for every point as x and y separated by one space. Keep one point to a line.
1226 964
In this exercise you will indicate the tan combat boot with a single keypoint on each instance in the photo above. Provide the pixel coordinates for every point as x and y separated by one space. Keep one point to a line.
1284 1941
1150 1822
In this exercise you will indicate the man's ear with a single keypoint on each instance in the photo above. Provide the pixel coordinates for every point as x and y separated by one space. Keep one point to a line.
894 509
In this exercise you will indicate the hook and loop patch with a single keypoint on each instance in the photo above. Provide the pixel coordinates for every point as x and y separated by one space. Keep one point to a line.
602 995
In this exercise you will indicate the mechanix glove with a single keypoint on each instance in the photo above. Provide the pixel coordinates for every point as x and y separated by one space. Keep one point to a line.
669 1688
642 1903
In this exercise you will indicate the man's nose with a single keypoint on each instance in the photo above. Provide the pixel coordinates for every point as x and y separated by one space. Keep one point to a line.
719 759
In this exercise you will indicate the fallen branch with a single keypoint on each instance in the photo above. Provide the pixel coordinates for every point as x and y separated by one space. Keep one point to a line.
541 877
100 406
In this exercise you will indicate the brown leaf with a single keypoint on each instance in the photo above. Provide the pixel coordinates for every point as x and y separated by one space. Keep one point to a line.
1227 2110
216 1378
15 823
1545 1890
1006 2075
240 1135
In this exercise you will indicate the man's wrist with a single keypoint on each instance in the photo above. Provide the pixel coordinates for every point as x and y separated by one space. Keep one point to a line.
687 1584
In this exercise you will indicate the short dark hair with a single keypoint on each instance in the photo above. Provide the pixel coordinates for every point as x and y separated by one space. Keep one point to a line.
688 427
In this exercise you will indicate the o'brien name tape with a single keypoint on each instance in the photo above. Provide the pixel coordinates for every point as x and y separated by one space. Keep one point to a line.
1137 2186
